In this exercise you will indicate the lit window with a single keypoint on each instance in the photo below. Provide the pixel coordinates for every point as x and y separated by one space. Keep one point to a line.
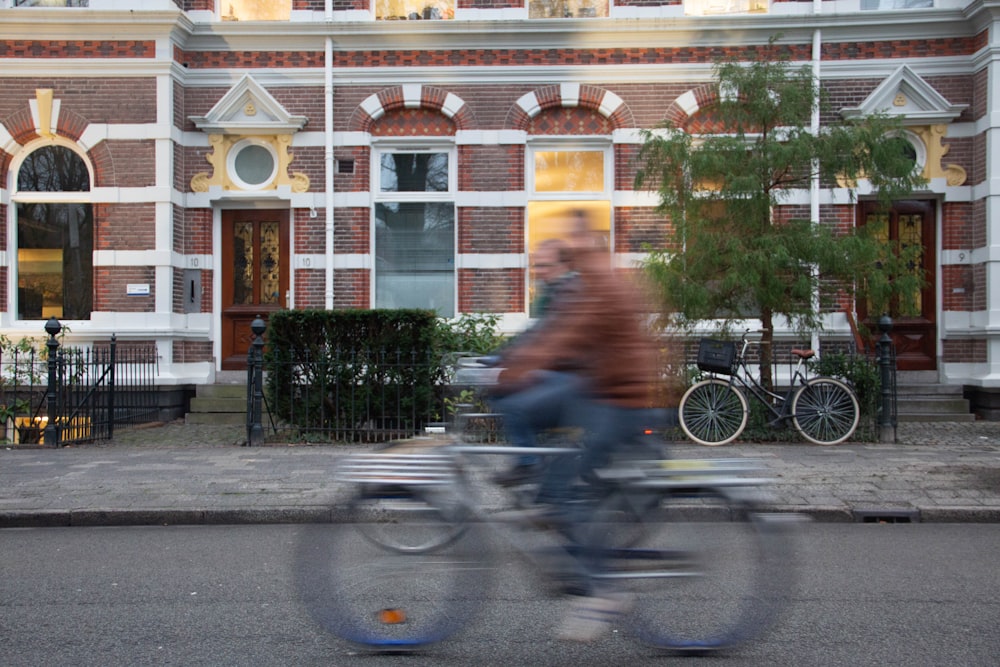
414 10
55 239
256 10
711 7
871 5
51 3
566 183
565 9
415 232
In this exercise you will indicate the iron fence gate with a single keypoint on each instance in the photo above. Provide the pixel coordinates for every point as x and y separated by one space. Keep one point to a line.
68 395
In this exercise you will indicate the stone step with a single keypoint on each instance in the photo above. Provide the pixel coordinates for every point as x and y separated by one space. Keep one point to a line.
932 402
232 391
932 417
200 404
216 418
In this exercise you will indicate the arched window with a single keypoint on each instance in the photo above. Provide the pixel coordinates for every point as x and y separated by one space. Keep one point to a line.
55 236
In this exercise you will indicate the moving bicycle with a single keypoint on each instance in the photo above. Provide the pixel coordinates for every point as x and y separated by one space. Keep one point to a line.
415 556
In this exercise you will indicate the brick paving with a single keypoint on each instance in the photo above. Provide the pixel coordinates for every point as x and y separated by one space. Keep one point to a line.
177 473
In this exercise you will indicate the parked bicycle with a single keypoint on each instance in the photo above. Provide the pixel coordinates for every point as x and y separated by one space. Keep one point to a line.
411 561
824 410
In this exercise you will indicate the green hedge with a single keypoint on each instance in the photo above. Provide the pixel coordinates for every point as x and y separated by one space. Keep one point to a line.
355 374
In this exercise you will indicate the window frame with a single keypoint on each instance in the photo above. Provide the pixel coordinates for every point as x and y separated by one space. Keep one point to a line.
34 197
448 196
602 144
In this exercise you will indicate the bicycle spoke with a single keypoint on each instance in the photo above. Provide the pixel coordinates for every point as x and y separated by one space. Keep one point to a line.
825 411
713 413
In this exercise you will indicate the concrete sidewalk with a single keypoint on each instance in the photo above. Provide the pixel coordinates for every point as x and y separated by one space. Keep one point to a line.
179 474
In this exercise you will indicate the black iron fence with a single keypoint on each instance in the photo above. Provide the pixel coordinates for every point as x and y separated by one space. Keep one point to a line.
341 397
66 395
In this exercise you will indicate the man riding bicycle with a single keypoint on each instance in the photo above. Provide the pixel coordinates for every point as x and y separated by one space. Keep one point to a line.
595 359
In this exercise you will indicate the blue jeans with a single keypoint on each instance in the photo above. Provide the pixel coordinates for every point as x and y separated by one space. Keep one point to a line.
548 403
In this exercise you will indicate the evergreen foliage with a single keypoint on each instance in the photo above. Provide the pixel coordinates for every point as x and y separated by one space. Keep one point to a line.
732 252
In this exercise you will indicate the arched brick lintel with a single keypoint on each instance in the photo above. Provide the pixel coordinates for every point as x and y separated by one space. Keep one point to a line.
70 128
585 96
681 110
412 96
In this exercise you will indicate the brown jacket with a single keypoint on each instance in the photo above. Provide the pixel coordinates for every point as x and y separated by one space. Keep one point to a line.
598 329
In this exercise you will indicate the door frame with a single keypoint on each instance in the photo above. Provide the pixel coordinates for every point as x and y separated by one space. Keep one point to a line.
234 320
915 338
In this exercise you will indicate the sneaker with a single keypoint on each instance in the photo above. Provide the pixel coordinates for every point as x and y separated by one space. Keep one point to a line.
519 474
590 617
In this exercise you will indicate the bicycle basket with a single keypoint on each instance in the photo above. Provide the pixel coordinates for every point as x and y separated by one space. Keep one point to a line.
716 356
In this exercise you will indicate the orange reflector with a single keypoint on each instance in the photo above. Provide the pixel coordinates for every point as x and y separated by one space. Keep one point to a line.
392 616
648 431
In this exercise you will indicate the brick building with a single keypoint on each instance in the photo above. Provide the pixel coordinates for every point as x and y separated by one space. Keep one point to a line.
169 169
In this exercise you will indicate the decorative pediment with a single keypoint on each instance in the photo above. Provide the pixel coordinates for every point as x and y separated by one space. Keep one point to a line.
248 109
906 94
924 112
250 133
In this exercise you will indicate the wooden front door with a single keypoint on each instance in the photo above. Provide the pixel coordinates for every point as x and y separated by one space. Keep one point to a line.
914 316
254 277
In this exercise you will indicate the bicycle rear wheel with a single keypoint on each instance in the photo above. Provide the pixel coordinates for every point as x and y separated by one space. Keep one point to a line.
384 593
825 411
713 412
703 574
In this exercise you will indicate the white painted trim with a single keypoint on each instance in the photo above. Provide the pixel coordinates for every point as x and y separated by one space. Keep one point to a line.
491 261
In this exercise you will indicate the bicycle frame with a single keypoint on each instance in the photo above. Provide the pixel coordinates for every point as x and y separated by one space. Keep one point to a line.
779 405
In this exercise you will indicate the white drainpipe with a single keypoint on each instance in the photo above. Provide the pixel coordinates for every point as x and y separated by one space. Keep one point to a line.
328 155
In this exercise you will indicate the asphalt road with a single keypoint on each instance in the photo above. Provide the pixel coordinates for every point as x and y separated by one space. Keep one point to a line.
864 594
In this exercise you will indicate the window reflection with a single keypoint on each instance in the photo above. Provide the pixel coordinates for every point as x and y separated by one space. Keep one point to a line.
55 241
569 171
414 237
51 3
256 10
414 10
564 9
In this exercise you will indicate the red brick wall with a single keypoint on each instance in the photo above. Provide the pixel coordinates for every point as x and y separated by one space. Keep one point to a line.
957 287
490 168
310 233
193 231
490 290
310 286
98 100
189 351
90 49
358 179
491 230
637 227
351 289
957 231
110 284
125 226
351 230
132 163
964 351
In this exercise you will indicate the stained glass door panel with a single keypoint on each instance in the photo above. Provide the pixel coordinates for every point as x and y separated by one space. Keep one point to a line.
908 226
254 277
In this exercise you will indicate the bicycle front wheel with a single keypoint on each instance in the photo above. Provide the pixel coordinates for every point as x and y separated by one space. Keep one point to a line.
706 573
825 411
713 412
389 591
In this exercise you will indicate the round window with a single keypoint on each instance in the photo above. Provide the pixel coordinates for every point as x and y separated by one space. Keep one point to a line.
252 164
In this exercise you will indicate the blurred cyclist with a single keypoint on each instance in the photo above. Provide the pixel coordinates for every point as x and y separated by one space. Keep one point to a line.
594 362
539 405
